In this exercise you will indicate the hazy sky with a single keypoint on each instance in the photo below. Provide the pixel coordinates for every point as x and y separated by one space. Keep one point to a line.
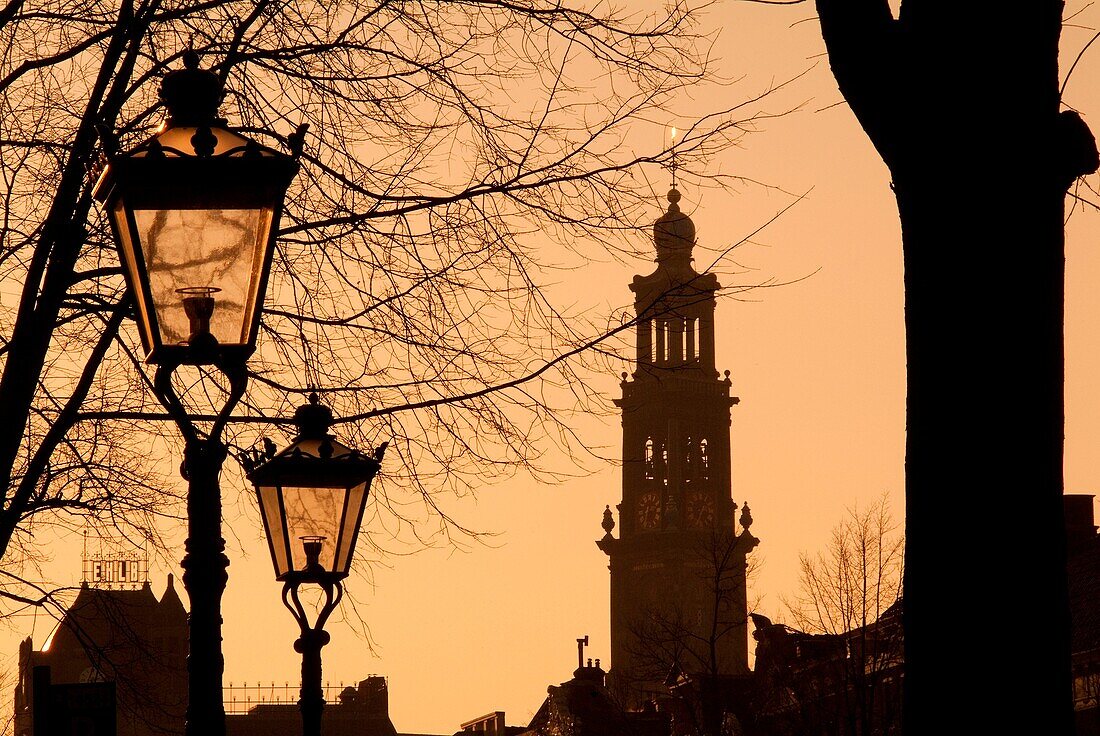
819 367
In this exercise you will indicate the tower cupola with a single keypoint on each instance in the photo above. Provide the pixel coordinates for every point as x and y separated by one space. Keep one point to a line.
674 234
675 304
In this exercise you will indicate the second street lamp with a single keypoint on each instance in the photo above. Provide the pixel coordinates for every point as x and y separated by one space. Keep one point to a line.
312 496
194 211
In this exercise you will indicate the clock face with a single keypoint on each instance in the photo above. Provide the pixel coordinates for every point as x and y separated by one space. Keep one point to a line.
700 510
649 511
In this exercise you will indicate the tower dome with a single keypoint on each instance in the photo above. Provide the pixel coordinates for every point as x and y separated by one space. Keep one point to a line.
674 233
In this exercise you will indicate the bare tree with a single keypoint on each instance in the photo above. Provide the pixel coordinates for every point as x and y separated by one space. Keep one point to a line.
461 155
850 594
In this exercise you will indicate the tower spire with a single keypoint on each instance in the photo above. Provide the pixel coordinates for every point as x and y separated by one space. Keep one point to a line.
674 162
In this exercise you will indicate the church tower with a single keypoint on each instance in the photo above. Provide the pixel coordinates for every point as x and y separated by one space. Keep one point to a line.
678 565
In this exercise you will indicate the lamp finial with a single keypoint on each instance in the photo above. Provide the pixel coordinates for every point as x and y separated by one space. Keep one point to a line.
191 94
313 419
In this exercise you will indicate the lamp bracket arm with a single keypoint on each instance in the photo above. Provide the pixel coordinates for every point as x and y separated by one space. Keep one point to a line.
294 604
334 591
234 370
237 373
162 386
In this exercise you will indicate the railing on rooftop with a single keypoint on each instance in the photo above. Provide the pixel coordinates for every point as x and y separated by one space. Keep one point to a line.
242 698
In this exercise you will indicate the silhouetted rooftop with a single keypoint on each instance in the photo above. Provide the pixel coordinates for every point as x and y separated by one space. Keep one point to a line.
582 706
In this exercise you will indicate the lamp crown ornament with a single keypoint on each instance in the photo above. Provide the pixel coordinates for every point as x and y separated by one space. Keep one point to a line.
192 95
313 419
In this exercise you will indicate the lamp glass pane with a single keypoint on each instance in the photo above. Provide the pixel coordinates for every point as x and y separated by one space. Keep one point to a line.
357 497
195 248
313 512
122 227
276 535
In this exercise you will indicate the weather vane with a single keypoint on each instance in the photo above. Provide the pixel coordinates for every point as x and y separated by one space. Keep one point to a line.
672 165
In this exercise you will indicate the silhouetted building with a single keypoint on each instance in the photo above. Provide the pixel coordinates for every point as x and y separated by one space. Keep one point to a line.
490 724
701 703
583 706
1084 596
116 631
362 710
119 657
679 561
849 684
846 684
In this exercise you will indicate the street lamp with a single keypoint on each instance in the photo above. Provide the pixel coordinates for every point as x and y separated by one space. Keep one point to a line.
312 496
194 211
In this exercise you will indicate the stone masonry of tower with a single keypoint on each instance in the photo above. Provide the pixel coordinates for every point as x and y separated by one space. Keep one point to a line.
678 565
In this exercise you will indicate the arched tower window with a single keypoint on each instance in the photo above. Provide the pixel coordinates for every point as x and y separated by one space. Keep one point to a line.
649 458
660 342
704 460
645 342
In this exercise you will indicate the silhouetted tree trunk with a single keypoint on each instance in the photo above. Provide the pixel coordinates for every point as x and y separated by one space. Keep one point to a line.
962 102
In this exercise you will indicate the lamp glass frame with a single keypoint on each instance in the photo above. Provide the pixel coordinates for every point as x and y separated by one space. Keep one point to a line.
302 474
241 175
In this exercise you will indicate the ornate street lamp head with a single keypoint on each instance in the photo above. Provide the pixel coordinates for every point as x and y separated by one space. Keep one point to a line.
312 496
194 210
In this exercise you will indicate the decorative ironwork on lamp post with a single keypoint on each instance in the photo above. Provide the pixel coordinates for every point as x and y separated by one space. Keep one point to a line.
194 211
312 496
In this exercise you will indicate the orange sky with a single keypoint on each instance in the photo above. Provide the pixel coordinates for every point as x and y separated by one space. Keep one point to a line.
819 367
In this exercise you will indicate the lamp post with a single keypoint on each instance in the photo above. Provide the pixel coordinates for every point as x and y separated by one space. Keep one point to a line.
194 211
312 496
